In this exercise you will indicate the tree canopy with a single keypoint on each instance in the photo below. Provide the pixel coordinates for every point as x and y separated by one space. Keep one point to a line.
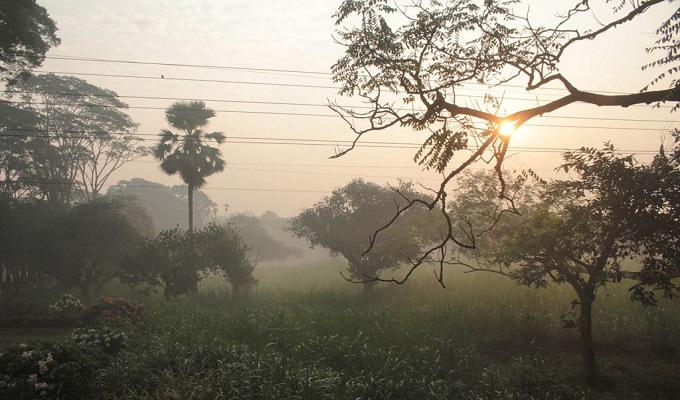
26 34
262 246
186 152
409 62
177 259
165 204
344 221
616 219
71 137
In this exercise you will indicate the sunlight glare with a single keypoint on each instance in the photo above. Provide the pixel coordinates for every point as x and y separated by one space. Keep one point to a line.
507 129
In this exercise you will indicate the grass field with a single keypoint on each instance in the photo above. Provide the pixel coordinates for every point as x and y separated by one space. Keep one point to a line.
306 334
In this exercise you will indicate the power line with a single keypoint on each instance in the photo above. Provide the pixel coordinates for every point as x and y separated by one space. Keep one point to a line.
190 79
251 69
249 139
203 66
265 103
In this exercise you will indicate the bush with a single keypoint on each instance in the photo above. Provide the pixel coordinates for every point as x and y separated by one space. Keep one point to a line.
114 311
48 370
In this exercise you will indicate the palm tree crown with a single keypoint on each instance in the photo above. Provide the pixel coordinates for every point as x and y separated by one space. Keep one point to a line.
184 150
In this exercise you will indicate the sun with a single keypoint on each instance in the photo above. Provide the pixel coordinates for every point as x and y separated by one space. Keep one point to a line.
506 129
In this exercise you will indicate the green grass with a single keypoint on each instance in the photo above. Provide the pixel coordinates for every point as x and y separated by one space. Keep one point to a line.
306 334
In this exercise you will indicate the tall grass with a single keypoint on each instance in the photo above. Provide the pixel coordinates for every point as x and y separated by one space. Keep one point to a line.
305 333
481 338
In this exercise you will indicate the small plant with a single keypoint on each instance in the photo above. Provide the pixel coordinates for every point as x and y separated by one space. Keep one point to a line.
66 305
47 370
114 310
111 340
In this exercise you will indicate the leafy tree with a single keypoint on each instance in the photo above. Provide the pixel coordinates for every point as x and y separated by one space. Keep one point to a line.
21 222
186 152
583 229
409 62
344 221
26 34
165 203
177 259
262 246
84 246
80 136
171 260
14 147
226 253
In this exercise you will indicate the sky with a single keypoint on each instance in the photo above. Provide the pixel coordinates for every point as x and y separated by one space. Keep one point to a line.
281 52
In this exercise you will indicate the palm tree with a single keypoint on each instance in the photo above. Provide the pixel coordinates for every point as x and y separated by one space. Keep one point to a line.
185 151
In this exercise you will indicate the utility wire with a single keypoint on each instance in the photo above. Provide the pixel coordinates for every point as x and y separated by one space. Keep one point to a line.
260 103
249 69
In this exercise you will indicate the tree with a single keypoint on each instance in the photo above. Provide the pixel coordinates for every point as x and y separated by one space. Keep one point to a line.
79 138
409 62
22 222
84 246
171 260
343 223
186 153
226 253
14 147
165 203
177 259
583 229
26 34
262 246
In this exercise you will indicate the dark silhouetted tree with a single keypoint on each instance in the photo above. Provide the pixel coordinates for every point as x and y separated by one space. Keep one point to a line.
580 231
344 221
26 34
410 62
84 246
186 151
177 259
80 136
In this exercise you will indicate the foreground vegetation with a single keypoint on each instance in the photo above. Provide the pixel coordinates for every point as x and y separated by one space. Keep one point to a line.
401 342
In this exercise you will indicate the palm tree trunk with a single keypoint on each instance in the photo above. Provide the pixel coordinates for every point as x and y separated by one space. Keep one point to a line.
191 206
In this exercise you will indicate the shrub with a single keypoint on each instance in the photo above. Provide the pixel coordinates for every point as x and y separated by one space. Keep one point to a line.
67 305
114 310
48 370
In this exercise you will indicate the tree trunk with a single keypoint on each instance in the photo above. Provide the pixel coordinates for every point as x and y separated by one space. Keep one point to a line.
85 292
191 206
369 286
586 328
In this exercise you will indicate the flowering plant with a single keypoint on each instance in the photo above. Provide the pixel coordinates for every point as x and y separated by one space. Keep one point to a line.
111 340
47 370
66 304
109 309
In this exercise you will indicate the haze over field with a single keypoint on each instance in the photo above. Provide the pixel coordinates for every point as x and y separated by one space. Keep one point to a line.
265 68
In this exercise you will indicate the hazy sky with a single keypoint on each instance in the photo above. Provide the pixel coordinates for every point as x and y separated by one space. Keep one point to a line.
266 169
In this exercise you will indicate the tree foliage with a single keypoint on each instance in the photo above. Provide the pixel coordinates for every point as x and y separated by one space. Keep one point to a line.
71 137
263 247
164 204
410 62
344 223
583 232
26 34
177 259
84 246
186 152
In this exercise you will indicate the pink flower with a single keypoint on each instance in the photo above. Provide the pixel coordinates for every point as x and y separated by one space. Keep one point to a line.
42 366
27 354
49 358
32 379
